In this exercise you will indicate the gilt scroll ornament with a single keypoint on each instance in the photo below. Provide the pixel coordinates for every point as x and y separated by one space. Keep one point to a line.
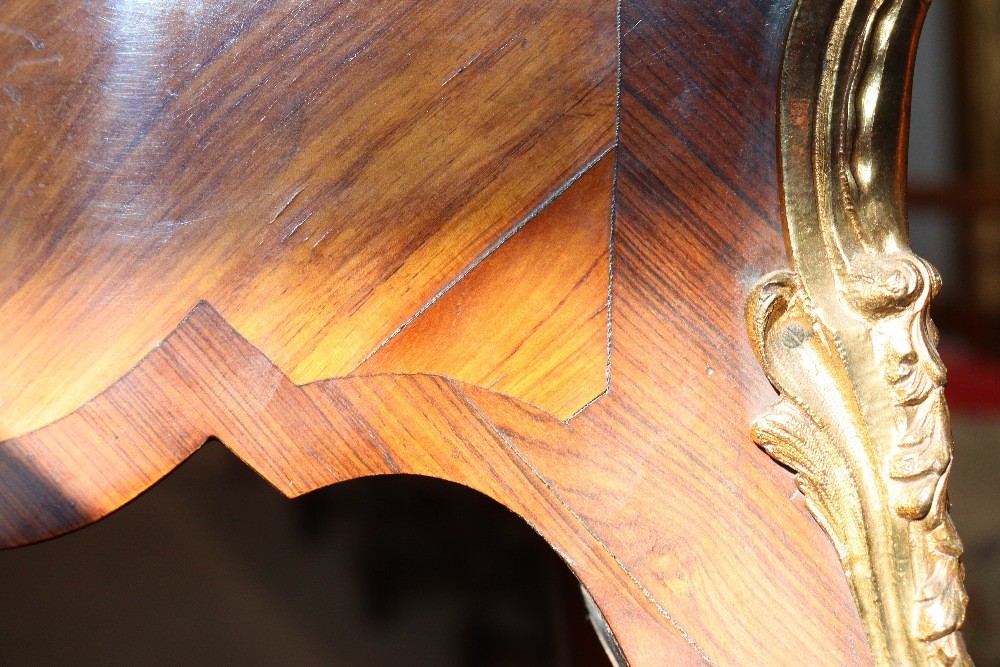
845 335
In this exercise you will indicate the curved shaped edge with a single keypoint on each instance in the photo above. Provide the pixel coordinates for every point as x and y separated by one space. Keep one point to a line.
204 380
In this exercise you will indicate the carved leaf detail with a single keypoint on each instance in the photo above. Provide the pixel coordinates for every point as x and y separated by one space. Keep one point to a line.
948 651
921 456
855 476
846 338
941 597
790 436
923 449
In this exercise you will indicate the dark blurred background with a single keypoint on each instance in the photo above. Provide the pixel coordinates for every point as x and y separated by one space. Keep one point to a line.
954 192
214 567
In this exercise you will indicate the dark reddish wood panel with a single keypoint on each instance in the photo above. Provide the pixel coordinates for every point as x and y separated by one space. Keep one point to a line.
317 170
206 380
695 545
698 222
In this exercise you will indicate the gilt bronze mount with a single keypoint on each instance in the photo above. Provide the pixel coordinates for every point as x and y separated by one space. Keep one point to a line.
845 335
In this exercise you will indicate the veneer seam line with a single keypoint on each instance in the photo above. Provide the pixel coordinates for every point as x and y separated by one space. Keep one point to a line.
489 251
649 596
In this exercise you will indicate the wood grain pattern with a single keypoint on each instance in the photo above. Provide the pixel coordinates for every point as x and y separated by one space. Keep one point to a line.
531 321
697 223
696 547
318 171
213 382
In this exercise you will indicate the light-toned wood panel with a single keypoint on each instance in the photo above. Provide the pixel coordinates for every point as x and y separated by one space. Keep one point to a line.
318 171
532 319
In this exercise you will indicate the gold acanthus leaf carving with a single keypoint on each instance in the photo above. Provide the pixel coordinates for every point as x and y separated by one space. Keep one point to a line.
845 335
852 483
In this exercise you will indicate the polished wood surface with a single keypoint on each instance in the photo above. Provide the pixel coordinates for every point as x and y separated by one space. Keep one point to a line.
377 242
318 171
531 320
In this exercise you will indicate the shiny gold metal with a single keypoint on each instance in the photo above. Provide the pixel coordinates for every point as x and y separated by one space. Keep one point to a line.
845 335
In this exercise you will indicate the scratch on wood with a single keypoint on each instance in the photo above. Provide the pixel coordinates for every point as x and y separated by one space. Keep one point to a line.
312 251
312 453
27 36
508 43
633 27
479 55
364 424
461 69
12 94
285 207
27 62
295 227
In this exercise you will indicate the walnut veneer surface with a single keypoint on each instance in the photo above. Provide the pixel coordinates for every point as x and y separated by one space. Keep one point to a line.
505 244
